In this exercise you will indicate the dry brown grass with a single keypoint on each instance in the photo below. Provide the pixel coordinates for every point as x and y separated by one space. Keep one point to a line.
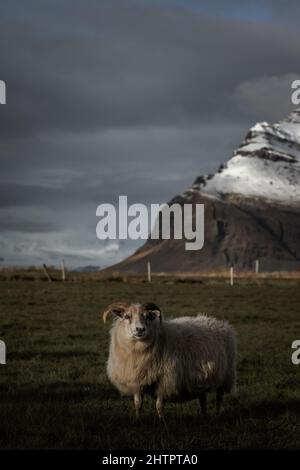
37 274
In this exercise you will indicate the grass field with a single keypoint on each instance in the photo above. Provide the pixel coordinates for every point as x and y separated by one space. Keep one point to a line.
55 394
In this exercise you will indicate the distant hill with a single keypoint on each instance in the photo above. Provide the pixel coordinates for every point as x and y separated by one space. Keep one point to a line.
87 269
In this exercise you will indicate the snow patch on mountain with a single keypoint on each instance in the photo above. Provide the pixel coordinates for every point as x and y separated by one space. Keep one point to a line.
266 165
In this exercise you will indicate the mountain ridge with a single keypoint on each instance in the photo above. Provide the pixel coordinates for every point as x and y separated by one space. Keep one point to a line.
252 209
266 164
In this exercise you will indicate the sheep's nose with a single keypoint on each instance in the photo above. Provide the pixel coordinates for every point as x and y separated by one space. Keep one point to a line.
140 329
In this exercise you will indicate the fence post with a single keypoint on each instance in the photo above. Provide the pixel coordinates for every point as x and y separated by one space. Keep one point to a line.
256 266
149 271
63 270
231 276
47 273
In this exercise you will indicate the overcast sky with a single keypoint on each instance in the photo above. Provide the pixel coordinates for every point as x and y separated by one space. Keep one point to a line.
106 98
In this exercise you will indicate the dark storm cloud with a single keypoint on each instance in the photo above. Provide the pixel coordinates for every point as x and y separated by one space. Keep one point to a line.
127 97
127 161
12 222
113 64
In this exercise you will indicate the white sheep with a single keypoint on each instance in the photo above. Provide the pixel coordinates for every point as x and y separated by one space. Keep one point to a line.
172 360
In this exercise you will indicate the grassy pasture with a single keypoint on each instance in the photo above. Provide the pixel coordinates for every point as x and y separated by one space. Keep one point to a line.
54 392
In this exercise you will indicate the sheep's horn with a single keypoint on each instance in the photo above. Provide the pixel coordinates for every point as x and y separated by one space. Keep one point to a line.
153 308
115 309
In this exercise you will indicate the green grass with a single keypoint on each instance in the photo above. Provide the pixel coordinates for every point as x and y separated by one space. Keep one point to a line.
55 394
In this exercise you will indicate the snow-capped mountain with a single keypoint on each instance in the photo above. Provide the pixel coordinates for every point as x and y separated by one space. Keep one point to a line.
267 165
252 209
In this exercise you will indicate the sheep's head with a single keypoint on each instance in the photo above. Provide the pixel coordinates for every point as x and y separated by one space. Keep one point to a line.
138 320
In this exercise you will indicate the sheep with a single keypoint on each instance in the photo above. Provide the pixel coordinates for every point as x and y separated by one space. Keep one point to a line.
172 360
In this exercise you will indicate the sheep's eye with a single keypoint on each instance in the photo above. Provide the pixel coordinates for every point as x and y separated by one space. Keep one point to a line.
127 316
149 315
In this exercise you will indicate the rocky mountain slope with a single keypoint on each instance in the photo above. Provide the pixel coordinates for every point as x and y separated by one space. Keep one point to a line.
252 209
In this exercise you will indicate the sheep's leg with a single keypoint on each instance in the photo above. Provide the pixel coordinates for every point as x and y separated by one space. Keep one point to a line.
219 399
160 407
138 403
203 403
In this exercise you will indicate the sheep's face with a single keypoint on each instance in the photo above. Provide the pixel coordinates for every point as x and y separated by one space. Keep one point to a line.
138 321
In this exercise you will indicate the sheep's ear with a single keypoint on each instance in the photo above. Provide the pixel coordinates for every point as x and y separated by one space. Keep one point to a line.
152 308
117 309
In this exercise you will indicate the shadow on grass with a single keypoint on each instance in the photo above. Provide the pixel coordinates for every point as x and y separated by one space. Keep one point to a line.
49 354
98 418
84 392
261 409
58 392
273 407
264 409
